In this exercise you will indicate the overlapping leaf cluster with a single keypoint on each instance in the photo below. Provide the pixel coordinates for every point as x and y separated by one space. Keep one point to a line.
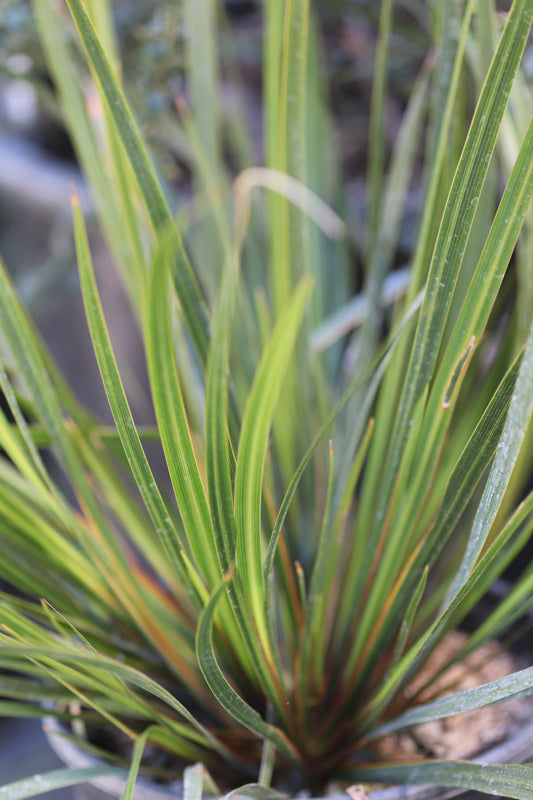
330 515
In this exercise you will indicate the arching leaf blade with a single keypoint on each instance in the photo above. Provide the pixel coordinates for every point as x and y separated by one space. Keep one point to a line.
225 694
118 402
505 780
56 779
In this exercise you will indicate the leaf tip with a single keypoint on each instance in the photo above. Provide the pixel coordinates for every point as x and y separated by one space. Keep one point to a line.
74 198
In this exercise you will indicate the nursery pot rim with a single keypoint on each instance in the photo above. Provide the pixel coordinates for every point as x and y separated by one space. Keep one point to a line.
517 748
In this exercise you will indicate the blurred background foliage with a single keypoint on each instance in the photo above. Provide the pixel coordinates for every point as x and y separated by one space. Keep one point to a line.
151 38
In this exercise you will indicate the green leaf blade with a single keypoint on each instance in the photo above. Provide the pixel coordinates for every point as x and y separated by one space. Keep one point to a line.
172 420
226 695
251 456
461 702
506 780
57 779
455 226
118 402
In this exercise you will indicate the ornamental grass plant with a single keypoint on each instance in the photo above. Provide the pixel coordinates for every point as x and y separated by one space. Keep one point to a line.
347 475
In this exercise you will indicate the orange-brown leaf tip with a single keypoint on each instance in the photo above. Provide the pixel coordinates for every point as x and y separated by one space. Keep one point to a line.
74 198
181 103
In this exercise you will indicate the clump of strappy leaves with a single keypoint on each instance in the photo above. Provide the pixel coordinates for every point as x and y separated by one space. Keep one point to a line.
344 473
